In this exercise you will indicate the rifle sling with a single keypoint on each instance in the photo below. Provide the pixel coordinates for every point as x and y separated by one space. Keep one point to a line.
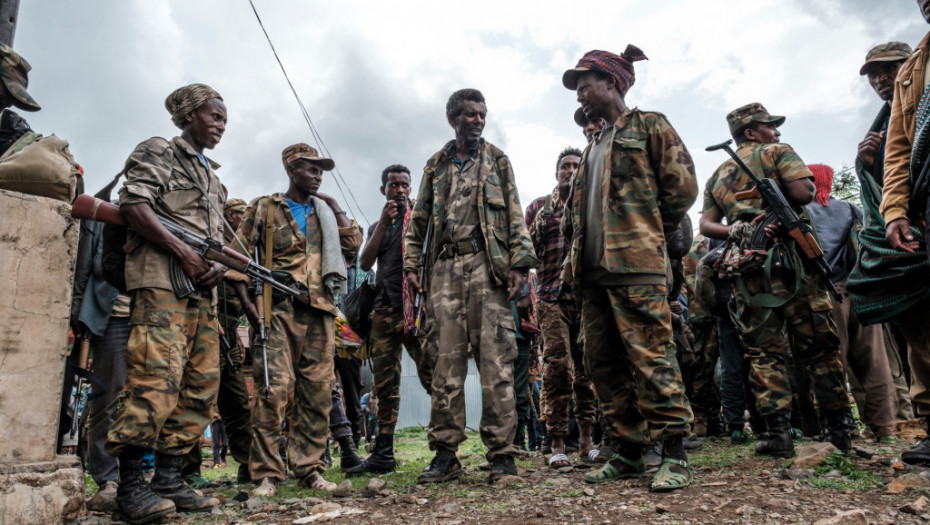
269 245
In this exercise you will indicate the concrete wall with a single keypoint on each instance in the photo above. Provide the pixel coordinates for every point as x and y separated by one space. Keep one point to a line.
38 241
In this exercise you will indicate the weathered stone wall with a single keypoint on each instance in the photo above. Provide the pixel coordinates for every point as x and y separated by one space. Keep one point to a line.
38 241
38 244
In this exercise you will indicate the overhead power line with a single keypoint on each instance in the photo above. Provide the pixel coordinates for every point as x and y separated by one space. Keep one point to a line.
339 179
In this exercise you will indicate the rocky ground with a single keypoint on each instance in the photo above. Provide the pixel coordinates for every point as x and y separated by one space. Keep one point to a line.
731 486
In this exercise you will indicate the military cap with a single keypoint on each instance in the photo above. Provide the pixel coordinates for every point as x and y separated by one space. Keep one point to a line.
235 205
304 151
753 112
580 118
14 71
887 52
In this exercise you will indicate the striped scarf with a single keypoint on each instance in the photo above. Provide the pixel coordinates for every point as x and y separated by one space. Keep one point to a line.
921 139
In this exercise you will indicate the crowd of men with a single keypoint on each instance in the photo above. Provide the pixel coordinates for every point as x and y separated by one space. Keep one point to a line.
631 325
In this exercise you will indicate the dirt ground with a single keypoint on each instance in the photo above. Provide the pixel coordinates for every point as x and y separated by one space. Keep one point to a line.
731 486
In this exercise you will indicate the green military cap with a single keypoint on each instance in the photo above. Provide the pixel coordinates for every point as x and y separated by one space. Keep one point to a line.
753 112
887 52
235 205
304 151
14 71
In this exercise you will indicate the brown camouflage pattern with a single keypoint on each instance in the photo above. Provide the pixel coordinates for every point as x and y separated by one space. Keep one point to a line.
298 255
300 364
630 356
564 375
386 345
507 242
775 161
172 366
648 189
468 309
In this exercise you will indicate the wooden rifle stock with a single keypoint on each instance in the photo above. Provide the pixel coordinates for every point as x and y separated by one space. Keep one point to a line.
807 243
747 194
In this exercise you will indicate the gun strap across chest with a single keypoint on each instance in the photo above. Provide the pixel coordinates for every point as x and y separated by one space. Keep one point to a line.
269 246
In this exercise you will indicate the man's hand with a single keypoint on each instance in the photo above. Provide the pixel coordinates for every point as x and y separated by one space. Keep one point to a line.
213 276
514 283
869 146
898 234
389 212
676 307
194 266
771 230
414 281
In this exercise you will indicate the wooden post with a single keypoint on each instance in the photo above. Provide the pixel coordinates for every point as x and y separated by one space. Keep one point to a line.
9 13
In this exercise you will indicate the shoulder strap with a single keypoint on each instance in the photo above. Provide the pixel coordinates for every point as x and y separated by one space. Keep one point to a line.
269 245
547 207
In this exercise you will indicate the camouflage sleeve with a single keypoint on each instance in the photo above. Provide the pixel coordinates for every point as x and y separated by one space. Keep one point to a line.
710 202
522 254
788 164
674 171
148 169
416 230
249 233
350 238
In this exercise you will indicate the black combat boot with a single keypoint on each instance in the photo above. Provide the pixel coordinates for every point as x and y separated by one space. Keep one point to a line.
776 440
348 454
502 465
919 455
838 429
444 467
135 501
168 483
381 461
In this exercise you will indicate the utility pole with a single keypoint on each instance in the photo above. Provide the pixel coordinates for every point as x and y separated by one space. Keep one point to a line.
9 13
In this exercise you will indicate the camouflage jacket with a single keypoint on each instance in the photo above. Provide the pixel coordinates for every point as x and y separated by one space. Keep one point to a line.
301 257
506 239
774 161
155 176
649 188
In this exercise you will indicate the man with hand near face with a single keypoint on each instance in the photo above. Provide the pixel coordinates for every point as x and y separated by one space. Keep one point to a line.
478 257
388 333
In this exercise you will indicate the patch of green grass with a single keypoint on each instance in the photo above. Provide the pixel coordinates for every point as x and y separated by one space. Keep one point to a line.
571 493
854 478
719 456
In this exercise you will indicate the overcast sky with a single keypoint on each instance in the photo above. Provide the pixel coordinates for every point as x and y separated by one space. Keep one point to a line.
375 76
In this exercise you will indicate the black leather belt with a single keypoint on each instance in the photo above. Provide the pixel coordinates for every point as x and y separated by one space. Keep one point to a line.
452 249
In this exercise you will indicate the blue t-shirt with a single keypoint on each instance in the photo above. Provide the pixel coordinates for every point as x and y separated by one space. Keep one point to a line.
300 213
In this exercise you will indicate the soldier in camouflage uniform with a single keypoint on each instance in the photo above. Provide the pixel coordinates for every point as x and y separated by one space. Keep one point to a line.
564 375
388 333
807 312
478 256
232 400
705 400
301 330
173 350
635 183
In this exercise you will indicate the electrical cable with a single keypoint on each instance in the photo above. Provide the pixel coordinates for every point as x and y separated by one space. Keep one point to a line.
339 179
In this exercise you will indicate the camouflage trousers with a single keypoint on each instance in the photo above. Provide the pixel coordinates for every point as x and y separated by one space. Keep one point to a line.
814 343
563 367
630 356
466 308
387 344
300 372
705 400
172 373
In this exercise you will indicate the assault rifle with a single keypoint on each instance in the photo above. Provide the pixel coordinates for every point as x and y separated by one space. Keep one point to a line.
775 203
89 208
418 301
262 332
83 354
